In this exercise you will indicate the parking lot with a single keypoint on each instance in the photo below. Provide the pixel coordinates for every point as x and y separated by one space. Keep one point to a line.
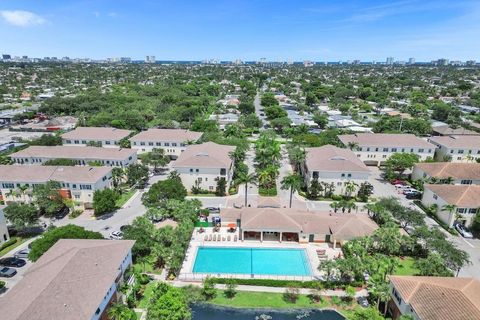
10 282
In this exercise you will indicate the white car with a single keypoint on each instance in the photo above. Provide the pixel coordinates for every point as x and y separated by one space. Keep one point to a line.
463 231
116 235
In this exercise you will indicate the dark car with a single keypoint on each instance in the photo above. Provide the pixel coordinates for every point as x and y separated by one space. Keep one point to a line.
7 272
12 262
413 195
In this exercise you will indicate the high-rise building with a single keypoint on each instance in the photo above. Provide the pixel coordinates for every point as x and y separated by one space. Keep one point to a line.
389 60
411 61
443 62
150 59
6 57
125 59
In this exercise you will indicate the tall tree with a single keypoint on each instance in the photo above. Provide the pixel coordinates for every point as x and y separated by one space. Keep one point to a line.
246 179
292 182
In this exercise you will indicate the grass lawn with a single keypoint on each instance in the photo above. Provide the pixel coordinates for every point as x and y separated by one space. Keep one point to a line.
263 300
142 304
406 267
267 192
13 246
124 197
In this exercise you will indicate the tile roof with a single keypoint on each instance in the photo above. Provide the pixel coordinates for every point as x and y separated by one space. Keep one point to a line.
205 155
42 174
167 135
72 152
467 142
455 170
331 158
434 298
446 130
385 140
465 196
343 226
96 133
68 282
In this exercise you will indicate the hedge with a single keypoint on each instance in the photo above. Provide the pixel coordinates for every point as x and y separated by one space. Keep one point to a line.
286 283
10 242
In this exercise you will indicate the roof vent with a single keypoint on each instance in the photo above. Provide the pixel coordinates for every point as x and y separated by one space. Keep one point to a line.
202 154
338 158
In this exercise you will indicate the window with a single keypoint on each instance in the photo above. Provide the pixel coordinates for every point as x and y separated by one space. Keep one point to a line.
315 174
343 175
394 149
466 182
106 142
411 150
460 151
77 196
472 210
174 144
200 179
462 210
150 143
196 170
158 144
421 150
77 142
85 187
339 184
69 141
210 187
368 149
403 149
349 175
384 156
142 143
385 149
167 144
223 171
376 149
397 297
191 170
74 186
7 185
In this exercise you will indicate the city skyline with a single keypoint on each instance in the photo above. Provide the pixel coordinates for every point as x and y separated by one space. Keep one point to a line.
248 30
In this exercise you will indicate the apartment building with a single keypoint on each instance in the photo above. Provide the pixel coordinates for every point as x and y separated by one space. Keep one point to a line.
201 165
38 155
447 172
457 148
77 183
455 203
433 298
103 137
172 141
75 279
375 148
4 236
332 164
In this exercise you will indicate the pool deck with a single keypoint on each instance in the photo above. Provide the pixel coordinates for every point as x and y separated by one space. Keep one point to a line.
198 240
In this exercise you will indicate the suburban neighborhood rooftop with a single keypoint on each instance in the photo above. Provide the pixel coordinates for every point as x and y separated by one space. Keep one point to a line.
72 152
167 135
455 170
467 142
97 133
205 155
83 174
385 140
459 195
331 158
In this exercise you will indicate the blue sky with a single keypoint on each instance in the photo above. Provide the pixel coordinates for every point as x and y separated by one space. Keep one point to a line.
244 29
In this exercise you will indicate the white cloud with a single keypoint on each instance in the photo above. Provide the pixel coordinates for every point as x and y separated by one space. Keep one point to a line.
21 18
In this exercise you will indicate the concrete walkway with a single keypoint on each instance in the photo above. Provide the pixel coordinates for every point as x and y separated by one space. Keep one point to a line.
330 293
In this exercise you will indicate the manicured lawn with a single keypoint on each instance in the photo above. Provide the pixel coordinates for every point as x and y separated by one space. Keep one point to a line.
148 267
125 197
13 246
267 192
263 300
406 267
142 304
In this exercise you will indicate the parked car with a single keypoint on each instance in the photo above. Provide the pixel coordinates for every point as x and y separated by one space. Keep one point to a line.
398 182
12 262
363 302
213 209
463 231
413 195
125 226
409 189
116 235
7 272
62 213
22 254
157 219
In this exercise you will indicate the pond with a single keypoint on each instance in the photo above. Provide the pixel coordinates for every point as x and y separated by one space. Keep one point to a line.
210 312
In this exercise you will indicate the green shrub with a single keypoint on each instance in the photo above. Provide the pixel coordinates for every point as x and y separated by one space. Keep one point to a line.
2 284
8 243
337 197
285 283
75 213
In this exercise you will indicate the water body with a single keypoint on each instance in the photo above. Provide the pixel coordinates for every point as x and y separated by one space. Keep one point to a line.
210 312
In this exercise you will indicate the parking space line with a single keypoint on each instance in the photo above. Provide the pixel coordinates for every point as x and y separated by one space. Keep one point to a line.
471 245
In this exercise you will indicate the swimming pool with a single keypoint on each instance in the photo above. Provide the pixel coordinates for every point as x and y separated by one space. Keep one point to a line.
262 261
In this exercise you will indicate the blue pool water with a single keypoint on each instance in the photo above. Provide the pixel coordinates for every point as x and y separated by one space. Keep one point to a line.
267 261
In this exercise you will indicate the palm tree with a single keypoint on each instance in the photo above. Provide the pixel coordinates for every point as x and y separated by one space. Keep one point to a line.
23 190
381 290
350 187
246 178
119 311
327 266
293 182
264 178
352 145
451 208
335 205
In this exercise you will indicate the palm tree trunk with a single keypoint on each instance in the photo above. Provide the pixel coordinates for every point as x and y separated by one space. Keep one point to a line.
291 195
246 190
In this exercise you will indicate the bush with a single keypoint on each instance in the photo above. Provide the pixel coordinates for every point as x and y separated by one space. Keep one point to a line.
291 293
267 192
2 285
230 290
8 243
285 283
337 197
75 213
208 290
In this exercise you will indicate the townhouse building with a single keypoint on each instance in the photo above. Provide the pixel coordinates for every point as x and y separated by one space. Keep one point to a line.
76 279
38 155
103 137
335 165
433 298
172 141
375 148
447 172
454 203
202 165
77 183
457 148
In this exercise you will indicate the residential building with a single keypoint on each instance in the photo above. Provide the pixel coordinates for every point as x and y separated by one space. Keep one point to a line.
224 119
454 203
77 183
104 137
38 155
4 236
447 172
293 225
202 165
434 298
149 59
446 130
375 148
330 164
172 141
75 279
457 148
